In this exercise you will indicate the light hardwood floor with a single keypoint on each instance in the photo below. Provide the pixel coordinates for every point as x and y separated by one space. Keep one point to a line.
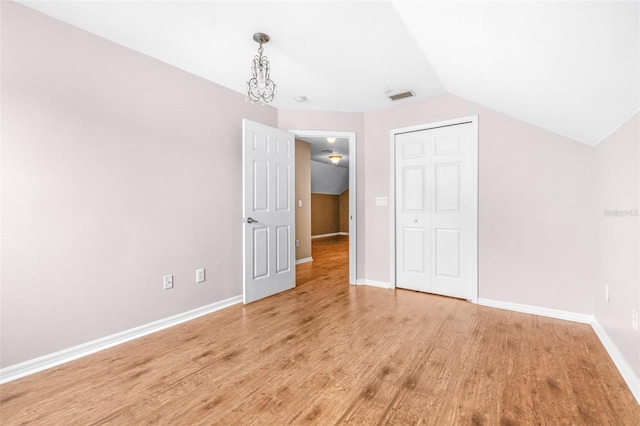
330 353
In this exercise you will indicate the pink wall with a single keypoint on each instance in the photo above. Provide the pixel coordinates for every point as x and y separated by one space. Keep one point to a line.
617 186
338 122
535 203
111 178
536 235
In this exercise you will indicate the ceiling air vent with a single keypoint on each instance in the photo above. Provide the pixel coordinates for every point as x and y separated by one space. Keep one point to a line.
394 96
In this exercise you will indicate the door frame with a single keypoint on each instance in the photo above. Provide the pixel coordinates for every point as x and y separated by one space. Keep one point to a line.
353 213
473 119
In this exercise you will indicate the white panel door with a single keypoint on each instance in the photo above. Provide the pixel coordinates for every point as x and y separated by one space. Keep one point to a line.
412 211
453 240
269 216
444 259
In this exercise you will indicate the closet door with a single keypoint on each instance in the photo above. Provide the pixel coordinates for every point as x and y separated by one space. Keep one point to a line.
413 266
436 211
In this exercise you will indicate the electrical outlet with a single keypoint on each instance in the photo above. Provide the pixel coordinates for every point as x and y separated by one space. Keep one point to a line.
606 292
168 282
199 275
634 319
297 243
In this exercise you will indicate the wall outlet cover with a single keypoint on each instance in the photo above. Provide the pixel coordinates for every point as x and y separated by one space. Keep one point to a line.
168 282
199 275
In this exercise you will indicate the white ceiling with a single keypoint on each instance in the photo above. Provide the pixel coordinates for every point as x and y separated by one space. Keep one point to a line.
570 67
320 144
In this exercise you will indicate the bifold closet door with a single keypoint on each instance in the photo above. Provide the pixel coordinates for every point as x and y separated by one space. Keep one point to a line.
436 214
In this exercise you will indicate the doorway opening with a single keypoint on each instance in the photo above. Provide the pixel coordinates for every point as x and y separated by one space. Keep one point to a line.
342 144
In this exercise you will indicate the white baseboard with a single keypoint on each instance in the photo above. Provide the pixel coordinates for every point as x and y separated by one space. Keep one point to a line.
57 358
304 260
372 283
329 235
627 372
537 310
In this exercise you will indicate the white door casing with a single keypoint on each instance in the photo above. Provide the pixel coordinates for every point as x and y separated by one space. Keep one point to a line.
435 215
353 194
268 209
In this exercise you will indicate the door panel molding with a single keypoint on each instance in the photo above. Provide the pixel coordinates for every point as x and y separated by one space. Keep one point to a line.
268 167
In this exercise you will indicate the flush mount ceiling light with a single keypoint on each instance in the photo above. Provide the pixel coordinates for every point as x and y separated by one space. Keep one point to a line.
331 140
260 87
335 159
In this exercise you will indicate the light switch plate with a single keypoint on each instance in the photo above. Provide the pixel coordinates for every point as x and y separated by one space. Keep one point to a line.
381 201
199 275
168 282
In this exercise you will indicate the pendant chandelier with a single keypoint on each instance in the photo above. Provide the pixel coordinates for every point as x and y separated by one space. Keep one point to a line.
260 87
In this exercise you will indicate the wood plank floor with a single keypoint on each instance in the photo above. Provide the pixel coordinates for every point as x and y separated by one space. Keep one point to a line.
330 353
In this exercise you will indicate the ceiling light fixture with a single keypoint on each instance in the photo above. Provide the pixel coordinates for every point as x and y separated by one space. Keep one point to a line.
260 87
335 159
331 140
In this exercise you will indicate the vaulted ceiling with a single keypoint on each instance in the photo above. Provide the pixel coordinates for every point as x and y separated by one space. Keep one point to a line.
570 67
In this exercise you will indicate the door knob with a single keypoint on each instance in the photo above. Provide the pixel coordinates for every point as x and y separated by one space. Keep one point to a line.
250 220
415 220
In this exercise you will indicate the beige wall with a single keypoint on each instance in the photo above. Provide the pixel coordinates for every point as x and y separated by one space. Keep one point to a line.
325 218
303 193
344 211
329 213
